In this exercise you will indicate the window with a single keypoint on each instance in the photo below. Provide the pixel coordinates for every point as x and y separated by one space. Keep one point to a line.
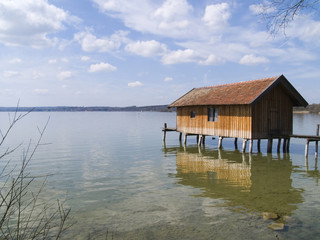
212 114
192 114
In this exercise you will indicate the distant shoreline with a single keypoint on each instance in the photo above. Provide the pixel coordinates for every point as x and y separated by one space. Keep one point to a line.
305 112
155 108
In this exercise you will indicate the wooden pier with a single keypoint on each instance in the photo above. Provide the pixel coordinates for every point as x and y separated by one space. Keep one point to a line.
285 142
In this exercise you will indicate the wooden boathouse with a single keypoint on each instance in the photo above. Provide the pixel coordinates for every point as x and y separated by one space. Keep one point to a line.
251 110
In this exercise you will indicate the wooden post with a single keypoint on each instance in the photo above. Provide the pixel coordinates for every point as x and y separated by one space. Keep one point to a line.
185 138
236 143
259 145
269 148
250 145
279 145
317 142
284 146
164 132
203 139
244 145
199 138
220 142
288 144
180 137
307 148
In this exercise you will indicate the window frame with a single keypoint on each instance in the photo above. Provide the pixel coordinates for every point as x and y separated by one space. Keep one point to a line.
213 114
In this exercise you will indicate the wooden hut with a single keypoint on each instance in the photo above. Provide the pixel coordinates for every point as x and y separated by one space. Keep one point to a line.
258 109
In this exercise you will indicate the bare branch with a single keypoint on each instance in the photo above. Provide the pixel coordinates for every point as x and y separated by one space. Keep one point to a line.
23 214
279 13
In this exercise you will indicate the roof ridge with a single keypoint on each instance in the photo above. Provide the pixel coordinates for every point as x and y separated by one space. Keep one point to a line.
238 83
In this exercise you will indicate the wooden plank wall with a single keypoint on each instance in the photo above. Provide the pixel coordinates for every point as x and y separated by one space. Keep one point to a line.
273 114
233 121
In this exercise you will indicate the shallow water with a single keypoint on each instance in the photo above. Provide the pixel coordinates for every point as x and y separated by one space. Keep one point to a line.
123 183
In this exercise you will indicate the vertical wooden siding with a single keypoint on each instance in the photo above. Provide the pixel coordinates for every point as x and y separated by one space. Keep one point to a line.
273 114
233 121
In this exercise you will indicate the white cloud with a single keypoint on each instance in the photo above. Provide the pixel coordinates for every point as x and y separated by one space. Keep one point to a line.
181 56
9 74
65 60
172 18
102 67
305 29
37 75
251 59
261 8
28 22
91 43
173 14
168 79
64 75
146 48
135 84
15 60
216 16
85 58
52 61
212 60
40 91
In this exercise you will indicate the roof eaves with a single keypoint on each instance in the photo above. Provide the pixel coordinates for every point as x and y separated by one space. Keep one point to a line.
266 90
300 101
173 104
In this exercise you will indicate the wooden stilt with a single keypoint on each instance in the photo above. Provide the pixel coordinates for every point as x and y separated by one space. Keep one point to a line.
244 145
317 143
279 145
288 145
307 148
236 143
180 137
203 139
284 145
185 138
199 137
220 143
259 145
269 148
250 145
164 132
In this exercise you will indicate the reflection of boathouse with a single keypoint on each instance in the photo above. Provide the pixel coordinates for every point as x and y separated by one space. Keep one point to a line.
236 174
259 109
251 183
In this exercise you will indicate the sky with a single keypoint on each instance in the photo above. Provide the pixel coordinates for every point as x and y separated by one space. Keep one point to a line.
146 52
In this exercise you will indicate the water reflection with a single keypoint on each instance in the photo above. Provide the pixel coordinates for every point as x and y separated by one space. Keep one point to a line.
247 183
312 172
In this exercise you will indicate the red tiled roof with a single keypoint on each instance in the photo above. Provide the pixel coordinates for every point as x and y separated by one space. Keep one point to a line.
232 94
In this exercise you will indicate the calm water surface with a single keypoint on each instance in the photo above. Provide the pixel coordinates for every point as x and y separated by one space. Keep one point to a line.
120 179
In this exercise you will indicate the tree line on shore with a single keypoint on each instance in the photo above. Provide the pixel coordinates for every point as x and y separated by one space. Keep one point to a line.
312 108
155 108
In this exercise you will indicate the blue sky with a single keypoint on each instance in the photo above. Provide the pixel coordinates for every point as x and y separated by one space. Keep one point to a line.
144 52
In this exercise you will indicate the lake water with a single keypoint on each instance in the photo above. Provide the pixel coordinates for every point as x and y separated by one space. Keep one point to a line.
119 179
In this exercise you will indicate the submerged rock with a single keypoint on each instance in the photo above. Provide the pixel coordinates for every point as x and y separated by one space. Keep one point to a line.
277 226
267 216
